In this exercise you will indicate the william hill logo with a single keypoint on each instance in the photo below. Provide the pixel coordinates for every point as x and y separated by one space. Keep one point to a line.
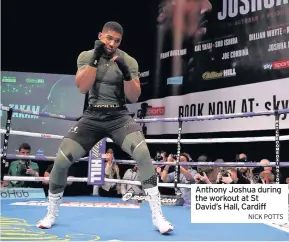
216 75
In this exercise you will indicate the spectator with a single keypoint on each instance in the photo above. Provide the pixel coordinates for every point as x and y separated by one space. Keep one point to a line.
186 177
109 189
230 176
22 168
244 174
241 157
207 174
164 157
271 169
267 177
216 170
131 175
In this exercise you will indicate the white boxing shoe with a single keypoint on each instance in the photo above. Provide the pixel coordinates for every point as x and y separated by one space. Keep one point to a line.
158 219
49 220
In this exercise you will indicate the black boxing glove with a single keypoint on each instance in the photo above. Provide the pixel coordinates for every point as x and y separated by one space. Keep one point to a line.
124 68
97 53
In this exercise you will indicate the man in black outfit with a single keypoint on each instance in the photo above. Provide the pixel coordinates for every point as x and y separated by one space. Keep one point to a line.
110 76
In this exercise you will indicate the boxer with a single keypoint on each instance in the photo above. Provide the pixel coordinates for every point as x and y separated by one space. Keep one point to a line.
110 76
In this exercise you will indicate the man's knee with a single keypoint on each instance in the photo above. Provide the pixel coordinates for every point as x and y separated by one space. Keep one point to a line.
133 141
141 151
69 151
61 162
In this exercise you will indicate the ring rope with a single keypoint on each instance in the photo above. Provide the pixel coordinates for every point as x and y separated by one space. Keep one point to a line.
84 179
153 120
132 162
162 141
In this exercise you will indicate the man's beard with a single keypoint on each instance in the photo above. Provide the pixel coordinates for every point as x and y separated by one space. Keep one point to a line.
107 54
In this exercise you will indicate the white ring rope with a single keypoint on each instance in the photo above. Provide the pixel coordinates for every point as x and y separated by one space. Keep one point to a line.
162 141
84 179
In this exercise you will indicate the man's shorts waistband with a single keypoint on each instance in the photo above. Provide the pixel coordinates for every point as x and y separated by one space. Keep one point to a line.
105 106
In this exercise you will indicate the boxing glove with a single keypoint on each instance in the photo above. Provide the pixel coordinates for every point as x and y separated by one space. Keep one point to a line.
97 53
124 68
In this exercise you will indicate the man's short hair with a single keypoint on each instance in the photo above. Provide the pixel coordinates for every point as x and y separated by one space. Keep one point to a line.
114 26
24 146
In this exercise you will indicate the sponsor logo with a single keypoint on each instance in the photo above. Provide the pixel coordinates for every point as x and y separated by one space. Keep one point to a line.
81 204
21 193
147 111
212 75
280 64
156 111
177 80
217 75
267 66
73 129
164 200
12 194
277 65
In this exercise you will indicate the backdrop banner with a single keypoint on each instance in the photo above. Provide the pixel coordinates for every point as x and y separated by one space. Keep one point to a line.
206 45
265 96
218 57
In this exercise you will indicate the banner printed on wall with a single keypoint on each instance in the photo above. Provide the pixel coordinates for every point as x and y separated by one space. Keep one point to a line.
225 43
265 96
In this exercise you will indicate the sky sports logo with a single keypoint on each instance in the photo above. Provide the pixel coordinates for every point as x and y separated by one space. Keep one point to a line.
156 111
277 65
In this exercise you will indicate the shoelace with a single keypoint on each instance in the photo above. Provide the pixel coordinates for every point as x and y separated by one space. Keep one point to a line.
53 207
156 205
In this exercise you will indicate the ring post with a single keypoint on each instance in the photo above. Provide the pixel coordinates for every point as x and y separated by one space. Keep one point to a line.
96 164
177 167
277 145
6 137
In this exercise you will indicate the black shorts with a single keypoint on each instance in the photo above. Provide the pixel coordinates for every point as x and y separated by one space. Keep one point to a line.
97 124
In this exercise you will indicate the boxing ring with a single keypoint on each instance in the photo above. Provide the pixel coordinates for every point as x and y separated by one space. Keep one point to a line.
105 219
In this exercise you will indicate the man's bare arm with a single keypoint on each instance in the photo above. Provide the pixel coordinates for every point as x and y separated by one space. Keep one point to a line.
85 77
87 63
132 90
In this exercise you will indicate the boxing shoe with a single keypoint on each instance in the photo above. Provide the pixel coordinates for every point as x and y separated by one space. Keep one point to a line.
49 220
158 219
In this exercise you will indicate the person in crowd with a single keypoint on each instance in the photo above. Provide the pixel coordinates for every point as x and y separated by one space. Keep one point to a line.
131 175
245 173
186 177
266 177
109 189
159 170
271 169
22 168
230 176
207 174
